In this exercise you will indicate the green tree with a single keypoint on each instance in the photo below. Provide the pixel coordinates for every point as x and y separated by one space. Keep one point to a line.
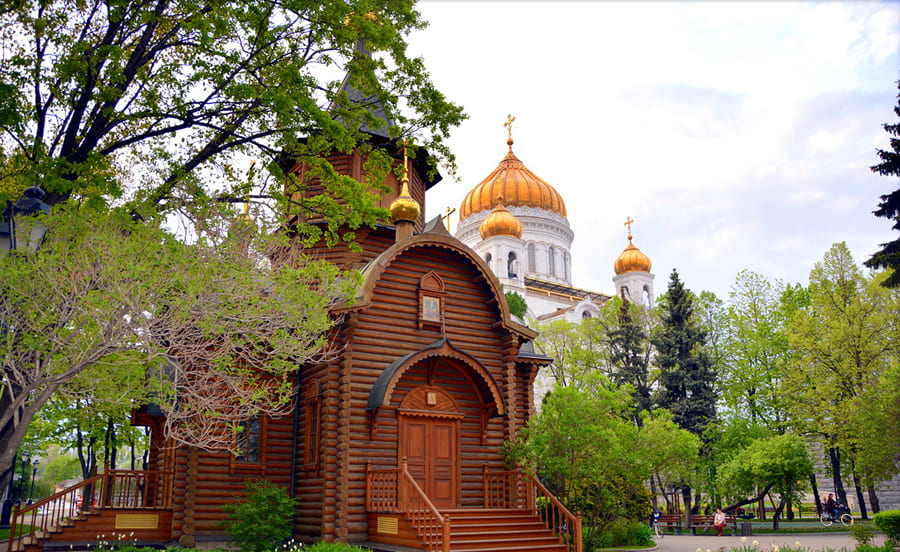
171 96
517 305
629 351
577 350
686 381
755 352
844 340
106 294
587 451
889 208
778 464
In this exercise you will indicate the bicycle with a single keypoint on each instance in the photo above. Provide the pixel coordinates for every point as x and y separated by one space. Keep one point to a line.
654 523
841 514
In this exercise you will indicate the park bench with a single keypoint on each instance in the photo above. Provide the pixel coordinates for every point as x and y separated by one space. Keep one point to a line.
671 522
704 523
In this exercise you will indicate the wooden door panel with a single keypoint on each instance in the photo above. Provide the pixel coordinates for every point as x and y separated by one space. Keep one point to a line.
430 450
443 447
416 439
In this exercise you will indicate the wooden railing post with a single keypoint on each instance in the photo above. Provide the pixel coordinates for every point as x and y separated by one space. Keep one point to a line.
445 535
402 492
484 483
577 534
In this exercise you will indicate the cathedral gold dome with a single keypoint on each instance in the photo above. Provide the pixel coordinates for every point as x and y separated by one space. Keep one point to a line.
517 185
632 259
500 223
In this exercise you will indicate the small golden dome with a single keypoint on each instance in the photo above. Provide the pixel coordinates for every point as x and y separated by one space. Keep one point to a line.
517 185
632 259
500 223
405 207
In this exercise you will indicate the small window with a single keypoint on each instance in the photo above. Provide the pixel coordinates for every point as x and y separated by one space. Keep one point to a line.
532 260
512 265
585 315
311 431
248 442
250 446
551 261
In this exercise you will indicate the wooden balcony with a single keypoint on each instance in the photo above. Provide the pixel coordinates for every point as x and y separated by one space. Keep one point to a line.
117 505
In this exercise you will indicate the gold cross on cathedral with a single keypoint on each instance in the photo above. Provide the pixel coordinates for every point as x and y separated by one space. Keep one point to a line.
628 222
508 125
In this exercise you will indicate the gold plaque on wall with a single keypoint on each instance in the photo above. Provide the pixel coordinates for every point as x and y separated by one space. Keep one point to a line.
137 521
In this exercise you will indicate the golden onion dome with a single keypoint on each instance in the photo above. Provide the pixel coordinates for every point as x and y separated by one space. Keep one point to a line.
632 259
500 223
405 207
516 184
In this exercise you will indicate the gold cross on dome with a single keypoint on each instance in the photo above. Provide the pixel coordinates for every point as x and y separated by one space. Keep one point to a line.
446 217
508 125
628 222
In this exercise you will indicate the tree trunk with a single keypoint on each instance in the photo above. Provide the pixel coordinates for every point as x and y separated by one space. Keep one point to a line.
789 504
873 499
861 501
776 516
686 496
816 497
834 454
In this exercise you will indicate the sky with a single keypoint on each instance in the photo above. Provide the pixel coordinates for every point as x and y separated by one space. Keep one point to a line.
737 135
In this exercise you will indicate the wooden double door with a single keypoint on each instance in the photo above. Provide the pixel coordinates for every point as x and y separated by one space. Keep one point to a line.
430 446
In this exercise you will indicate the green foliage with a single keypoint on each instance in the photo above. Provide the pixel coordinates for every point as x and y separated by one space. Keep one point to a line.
96 95
517 305
889 524
626 532
576 349
263 519
780 463
862 533
686 381
755 352
87 318
587 451
61 468
889 208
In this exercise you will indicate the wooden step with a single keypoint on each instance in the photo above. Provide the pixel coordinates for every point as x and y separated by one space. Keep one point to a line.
478 530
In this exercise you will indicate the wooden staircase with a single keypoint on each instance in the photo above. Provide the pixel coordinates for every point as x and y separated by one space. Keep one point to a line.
480 530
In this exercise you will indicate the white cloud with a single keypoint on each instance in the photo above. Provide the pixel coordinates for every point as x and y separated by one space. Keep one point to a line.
737 134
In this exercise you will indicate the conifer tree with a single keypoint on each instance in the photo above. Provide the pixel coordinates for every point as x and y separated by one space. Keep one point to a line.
889 208
629 356
687 380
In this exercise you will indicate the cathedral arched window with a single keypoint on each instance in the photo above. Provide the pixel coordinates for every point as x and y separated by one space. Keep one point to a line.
488 258
512 265
551 261
567 267
585 315
532 258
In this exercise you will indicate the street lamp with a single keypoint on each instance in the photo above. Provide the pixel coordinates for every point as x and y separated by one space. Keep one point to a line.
23 479
24 233
34 464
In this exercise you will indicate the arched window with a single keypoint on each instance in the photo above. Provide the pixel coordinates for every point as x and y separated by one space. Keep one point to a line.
488 258
567 266
551 261
512 265
585 315
532 259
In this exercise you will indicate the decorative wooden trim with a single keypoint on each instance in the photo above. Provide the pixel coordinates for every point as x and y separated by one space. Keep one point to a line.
431 301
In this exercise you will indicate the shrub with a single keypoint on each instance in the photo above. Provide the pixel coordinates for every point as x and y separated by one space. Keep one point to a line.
889 524
863 533
625 532
886 547
263 520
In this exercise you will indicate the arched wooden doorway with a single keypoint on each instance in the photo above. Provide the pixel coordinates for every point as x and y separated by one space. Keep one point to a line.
429 441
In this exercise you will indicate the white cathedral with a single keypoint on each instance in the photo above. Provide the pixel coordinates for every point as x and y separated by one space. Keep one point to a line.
517 223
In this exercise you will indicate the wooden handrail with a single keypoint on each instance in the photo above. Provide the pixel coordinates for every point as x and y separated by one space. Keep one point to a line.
113 489
396 490
515 490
